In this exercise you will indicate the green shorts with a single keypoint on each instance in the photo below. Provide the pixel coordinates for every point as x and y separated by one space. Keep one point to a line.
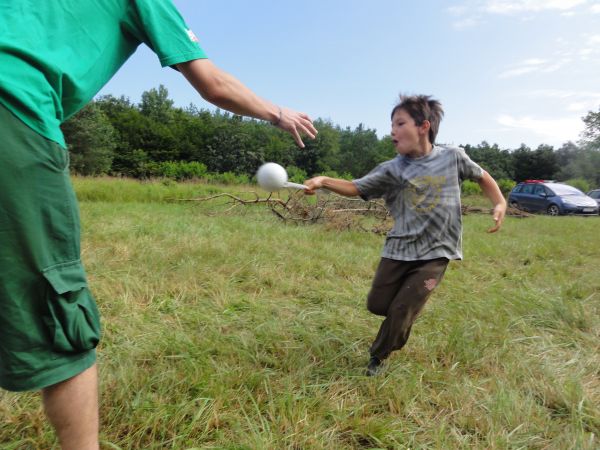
49 323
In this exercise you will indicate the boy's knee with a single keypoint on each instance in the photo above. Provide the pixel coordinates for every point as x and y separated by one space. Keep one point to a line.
376 306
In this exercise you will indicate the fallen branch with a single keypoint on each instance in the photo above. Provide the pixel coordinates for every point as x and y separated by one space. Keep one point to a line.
335 211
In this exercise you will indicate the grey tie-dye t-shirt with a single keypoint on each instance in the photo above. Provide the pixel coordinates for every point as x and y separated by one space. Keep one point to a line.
423 197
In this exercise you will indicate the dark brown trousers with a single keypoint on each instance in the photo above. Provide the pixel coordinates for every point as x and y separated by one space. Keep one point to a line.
400 290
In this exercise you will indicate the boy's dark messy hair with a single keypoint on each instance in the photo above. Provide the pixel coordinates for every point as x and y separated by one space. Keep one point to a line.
421 108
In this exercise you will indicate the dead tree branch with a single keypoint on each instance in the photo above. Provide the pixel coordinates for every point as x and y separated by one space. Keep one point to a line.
335 211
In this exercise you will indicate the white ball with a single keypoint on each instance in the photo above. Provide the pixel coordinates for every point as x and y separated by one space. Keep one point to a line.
271 177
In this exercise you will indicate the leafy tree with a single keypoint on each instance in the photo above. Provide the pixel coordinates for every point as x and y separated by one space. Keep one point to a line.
545 161
155 134
91 141
113 106
538 164
385 150
320 154
591 133
358 151
191 130
156 105
523 163
229 150
132 163
499 163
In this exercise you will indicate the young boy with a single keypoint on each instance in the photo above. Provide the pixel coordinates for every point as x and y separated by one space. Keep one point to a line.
421 188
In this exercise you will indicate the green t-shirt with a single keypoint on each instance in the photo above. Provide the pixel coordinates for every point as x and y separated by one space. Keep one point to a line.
56 55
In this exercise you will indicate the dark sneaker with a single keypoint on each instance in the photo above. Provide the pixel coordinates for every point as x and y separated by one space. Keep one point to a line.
374 366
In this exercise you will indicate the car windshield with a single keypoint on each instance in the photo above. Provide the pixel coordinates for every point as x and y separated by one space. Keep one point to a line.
563 189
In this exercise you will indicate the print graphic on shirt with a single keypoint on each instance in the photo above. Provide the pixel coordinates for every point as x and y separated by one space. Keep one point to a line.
192 36
424 193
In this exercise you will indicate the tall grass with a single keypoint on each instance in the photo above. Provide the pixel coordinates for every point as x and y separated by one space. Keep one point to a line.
239 332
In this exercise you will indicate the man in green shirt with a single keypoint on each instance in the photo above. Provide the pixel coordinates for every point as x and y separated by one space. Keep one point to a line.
54 57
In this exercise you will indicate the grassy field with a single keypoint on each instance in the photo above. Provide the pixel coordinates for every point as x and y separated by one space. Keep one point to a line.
232 330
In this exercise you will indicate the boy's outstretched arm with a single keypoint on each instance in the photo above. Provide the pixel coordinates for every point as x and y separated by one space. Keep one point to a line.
225 91
492 191
342 187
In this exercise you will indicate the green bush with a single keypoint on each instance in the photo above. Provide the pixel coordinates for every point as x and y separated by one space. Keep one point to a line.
333 174
470 188
175 170
227 178
296 175
579 183
506 185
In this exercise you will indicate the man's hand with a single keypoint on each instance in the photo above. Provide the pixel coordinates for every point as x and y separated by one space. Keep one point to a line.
296 123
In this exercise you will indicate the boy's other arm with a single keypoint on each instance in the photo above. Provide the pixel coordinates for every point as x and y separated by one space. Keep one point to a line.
225 91
492 192
342 187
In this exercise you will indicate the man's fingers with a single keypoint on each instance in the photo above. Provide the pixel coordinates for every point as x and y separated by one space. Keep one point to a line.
296 124
297 138
310 133
309 127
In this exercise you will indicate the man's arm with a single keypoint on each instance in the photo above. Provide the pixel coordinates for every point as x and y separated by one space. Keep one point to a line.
342 187
492 192
227 92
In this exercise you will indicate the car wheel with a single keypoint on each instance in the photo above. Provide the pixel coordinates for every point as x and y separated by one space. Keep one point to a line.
553 210
514 205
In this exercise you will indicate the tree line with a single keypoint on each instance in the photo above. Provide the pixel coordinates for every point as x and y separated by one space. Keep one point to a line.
114 136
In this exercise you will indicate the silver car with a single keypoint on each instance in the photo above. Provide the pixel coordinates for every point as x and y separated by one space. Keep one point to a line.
595 194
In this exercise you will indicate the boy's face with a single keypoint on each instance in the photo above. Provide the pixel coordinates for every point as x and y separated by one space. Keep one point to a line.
408 137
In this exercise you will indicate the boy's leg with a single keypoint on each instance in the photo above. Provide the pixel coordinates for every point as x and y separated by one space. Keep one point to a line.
417 284
386 283
72 408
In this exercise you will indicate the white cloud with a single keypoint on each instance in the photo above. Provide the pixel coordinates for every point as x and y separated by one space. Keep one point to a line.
589 47
580 106
564 94
531 65
517 71
471 10
471 13
458 10
467 22
572 101
594 39
467 15
519 6
553 131
578 56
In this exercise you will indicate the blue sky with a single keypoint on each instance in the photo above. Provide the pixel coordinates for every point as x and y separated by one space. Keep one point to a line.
506 71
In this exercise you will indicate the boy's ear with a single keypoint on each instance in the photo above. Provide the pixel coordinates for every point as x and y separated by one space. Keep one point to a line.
424 127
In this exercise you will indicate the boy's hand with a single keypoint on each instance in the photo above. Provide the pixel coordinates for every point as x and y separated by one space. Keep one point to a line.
341 187
313 184
499 213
